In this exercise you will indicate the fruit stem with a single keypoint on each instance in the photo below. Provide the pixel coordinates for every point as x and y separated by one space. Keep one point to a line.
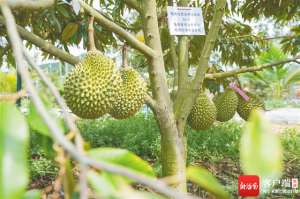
92 45
125 56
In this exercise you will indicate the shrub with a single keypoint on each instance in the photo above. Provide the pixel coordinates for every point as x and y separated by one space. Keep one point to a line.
140 134
219 142
41 157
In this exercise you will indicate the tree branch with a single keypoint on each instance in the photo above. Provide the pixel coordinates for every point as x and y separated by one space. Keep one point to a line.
208 45
12 96
186 101
183 64
30 3
151 102
174 59
245 69
258 38
183 58
56 132
45 46
67 117
296 61
134 4
111 26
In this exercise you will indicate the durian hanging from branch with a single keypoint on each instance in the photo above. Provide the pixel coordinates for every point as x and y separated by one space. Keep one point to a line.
89 90
203 113
132 91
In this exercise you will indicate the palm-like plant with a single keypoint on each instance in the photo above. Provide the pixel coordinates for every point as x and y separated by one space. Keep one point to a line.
272 81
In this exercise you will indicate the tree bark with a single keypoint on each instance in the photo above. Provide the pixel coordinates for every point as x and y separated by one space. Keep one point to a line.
186 99
246 69
172 142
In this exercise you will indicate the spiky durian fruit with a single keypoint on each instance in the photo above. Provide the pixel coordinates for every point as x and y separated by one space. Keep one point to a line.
245 107
130 96
226 104
203 113
90 88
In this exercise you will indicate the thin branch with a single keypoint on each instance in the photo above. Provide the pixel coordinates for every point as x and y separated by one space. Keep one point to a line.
30 3
44 45
245 69
56 132
186 100
183 63
151 102
258 38
174 59
183 69
134 4
111 26
296 61
54 91
91 31
209 44
12 96
68 119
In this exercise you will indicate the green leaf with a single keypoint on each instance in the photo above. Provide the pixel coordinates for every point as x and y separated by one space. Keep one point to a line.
37 123
260 150
32 194
68 179
14 140
124 158
69 31
105 185
207 181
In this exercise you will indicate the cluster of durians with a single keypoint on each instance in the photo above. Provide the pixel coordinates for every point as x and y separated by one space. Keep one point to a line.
221 108
95 87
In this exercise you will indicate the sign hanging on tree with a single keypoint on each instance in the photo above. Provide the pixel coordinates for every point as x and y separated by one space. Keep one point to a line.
185 21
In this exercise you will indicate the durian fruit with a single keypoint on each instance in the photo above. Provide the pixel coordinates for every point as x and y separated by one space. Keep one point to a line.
130 95
245 107
226 104
90 88
203 113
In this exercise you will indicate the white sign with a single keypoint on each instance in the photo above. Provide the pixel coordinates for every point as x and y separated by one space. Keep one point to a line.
185 21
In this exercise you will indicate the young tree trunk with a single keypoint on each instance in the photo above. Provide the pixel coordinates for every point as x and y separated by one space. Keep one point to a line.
173 153
172 140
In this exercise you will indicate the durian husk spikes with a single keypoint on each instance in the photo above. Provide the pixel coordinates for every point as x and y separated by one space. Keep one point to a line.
203 113
91 87
130 96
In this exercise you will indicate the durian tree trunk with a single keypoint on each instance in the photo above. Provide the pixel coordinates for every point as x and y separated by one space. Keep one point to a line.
172 141
172 120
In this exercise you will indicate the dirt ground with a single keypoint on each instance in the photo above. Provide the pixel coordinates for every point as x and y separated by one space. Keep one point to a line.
284 118
279 128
